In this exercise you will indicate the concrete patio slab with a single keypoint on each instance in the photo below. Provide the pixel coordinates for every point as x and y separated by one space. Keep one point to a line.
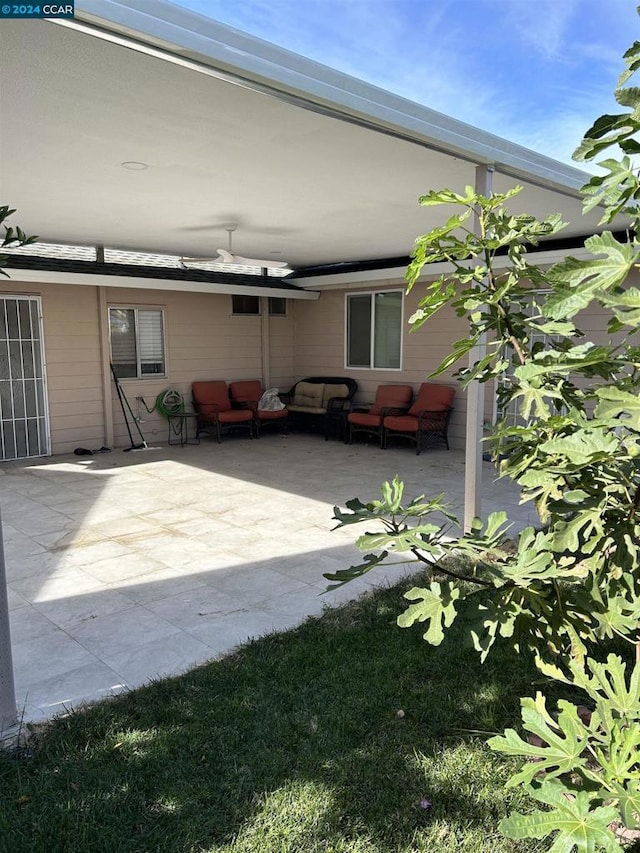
125 567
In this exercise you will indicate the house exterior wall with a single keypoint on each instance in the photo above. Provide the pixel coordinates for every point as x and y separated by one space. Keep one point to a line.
72 362
282 349
203 340
321 346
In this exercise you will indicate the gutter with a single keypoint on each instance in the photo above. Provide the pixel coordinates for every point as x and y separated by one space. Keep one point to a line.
51 271
546 252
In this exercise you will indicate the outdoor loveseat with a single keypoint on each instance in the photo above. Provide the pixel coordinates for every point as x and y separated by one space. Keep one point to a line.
320 402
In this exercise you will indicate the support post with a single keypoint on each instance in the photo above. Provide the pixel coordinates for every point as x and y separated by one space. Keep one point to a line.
265 341
8 712
105 360
475 397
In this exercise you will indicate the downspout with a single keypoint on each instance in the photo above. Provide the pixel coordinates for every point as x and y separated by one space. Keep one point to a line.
475 396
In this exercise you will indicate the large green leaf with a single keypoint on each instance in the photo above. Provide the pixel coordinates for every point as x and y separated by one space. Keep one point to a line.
621 616
616 403
422 536
565 360
578 282
629 801
582 534
580 827
609 681
606 131
435 605
534 560
565 740
343 576
391 505
626 306
583 447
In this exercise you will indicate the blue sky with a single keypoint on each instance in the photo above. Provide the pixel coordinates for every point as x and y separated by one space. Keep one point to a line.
537 72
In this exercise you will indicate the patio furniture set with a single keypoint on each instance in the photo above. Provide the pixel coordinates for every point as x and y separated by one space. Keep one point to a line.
323 403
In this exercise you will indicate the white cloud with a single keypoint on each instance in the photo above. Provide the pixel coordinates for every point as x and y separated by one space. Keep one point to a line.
543 25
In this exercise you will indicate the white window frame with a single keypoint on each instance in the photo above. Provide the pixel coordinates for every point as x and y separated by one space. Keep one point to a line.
372 294
137 309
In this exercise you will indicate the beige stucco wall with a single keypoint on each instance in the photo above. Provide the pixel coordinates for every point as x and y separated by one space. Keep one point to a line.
72 362
320 347
204 341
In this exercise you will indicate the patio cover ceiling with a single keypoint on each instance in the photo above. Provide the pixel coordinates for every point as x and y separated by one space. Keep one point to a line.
314 166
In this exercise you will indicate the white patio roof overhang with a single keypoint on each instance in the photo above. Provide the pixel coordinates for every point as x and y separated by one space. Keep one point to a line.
316 167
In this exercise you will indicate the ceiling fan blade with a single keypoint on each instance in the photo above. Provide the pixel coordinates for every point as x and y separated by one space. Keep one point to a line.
225 257
258 262
218 259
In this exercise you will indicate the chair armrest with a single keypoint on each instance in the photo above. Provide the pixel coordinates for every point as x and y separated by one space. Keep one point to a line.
338 404
361 409
440 415
245 404
206 412
394 410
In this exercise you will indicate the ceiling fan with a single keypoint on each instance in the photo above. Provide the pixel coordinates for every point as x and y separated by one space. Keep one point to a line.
227 256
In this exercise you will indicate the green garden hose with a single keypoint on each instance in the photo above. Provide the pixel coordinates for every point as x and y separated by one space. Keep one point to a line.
168 403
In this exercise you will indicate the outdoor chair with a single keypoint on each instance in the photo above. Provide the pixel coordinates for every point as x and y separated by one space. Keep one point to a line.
246 394
390 400
426 421
321 402
215 412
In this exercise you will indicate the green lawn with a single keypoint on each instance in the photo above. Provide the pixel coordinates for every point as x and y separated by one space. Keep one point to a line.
295 743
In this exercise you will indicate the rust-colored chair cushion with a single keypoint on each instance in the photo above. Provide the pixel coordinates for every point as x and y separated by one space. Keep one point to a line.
364 419
246 391
235 416
246 394
211 402
427 419
388 398
391 397
433 398
401 423
211 397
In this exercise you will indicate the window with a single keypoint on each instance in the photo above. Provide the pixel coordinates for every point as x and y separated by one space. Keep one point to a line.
137 342
251 305
277 306
245 304
374 330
